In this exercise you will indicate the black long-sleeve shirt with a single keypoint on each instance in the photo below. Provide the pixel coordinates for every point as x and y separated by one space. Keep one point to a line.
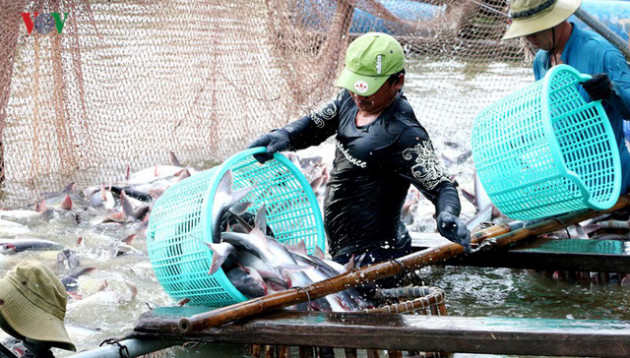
373 168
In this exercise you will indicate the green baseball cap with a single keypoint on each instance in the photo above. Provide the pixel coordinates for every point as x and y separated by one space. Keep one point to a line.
370 60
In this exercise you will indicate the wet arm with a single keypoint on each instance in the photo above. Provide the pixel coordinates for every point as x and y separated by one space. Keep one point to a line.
317 126
419 163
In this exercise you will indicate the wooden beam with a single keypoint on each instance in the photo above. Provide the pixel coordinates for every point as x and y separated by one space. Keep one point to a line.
545 254
491 335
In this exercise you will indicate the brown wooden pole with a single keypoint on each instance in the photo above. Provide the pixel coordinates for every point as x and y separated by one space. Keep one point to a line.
488 239
305 352
283 351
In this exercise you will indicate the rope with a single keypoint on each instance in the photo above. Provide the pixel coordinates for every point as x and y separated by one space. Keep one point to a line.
566 229
490 8
308 297
123 351
404 269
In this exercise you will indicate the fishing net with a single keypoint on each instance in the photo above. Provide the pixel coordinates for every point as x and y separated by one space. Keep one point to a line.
122 83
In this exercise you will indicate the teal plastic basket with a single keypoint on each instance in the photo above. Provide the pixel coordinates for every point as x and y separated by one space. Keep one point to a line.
180 221
544 150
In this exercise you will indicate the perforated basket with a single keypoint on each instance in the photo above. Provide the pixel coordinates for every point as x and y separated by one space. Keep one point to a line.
544 150
181 219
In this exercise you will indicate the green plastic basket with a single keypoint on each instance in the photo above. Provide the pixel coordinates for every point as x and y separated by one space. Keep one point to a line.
180 220
544 150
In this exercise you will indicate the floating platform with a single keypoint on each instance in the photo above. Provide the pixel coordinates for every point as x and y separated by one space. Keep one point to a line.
543 254
493 335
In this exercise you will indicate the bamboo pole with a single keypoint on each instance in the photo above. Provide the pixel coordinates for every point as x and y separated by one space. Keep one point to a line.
493 237
603 30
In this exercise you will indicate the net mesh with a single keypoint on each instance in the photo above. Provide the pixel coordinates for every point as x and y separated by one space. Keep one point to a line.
125 82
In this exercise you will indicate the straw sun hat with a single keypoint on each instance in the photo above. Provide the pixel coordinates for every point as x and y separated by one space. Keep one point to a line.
33 303
531 16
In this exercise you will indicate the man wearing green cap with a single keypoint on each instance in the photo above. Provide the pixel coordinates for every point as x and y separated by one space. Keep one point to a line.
381 150
544 23
33 308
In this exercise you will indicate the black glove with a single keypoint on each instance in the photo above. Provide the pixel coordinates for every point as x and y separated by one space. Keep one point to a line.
598 87
275 141
452 228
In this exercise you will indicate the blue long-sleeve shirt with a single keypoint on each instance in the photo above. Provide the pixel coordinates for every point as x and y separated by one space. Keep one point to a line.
590 53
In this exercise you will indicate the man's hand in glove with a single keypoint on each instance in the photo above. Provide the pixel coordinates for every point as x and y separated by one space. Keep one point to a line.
598 87
452 228
274 141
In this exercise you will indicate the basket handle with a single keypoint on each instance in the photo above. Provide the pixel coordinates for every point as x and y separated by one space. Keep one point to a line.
584 77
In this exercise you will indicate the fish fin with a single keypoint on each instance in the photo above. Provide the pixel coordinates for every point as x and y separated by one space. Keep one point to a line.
240 208
242 222
103 194
319 253
217 261
66 204
316 183
129 239
156 193
350 265
495 211
174 160
239 194
133 289
286 269
75 296
261 219
70 187
126 204
40 207
225 185
115 217
299 248
183 174
220 253
258 235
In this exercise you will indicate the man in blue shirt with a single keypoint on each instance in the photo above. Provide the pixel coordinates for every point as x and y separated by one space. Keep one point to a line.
544 23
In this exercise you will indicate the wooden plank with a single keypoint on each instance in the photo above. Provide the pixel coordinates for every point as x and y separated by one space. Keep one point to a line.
491 335
545 254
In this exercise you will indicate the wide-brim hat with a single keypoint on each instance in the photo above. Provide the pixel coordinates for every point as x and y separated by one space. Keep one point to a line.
33 303
370 60
531 16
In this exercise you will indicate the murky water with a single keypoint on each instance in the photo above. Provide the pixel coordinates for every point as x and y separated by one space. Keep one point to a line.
110 305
